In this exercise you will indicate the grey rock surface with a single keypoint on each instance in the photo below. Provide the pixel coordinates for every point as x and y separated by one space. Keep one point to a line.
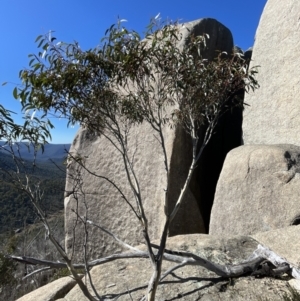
127 279
101 201
219 36
284 242
52 291
273 114
258 190
295 284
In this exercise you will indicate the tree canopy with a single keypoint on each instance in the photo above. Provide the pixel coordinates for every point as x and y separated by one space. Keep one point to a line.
133 78
126 81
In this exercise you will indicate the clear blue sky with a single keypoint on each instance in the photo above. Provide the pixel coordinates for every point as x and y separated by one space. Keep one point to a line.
86 21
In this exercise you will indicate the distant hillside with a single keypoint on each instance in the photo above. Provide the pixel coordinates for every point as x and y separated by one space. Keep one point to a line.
55 152
30 241
20 226
41 169
15 207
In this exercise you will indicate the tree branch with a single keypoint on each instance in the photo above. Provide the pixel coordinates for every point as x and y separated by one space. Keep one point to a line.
261 255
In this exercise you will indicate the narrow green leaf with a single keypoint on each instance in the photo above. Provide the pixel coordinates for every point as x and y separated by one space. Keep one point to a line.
38 38
45 46
15 93
41 42
31 61
36 66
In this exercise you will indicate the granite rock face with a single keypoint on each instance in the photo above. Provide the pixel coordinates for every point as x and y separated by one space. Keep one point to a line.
258 190
273 114
52 291
219 36
127 279
102 203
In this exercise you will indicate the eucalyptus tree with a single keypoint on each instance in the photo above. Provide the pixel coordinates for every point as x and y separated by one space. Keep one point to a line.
127 81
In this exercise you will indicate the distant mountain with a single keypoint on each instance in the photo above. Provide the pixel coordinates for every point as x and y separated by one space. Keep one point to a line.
42 169
55 152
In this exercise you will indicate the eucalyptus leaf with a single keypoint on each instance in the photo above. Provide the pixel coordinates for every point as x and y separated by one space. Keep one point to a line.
15 93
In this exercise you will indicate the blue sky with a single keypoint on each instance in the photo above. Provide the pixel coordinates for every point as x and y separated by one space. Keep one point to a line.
86 21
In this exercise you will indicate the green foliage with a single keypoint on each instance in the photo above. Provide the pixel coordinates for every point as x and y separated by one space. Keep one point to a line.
16 209
61 273
7 266
35 130
134 79
129 80
7 269
64 273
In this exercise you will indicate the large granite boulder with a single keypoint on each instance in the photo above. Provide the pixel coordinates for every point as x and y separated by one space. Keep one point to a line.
127 279
258 190
52 291
274 113
103 204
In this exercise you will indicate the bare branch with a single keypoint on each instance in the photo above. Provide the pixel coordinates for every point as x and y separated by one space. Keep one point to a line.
36 272
109 181
259 256
122 243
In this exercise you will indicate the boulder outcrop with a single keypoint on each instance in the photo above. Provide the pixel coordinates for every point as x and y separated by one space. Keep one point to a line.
258 190
272 116
102 204
52 291
127 279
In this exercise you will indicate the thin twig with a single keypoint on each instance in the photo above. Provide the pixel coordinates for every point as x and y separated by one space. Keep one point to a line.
122 243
